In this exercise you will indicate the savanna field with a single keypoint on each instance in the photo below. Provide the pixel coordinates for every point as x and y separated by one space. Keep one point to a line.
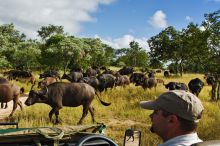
125 112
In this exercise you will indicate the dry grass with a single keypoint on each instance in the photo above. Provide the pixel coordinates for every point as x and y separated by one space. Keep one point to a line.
125 112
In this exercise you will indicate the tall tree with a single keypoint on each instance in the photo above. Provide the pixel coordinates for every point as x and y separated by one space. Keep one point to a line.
9 41
133 56
168 46
46 32
212 26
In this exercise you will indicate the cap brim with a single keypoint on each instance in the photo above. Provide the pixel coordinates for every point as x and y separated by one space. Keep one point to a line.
151 105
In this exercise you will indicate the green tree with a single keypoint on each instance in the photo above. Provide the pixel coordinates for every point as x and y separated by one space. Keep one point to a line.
10 38
27 55
46 32
134 56
212 26
60 51
166 46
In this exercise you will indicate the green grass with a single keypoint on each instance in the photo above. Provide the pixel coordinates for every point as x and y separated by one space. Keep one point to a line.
124 112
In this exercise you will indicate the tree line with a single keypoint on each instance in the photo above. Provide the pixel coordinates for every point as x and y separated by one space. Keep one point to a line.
195 48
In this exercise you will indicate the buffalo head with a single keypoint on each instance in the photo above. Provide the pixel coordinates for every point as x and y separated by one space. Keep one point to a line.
36 97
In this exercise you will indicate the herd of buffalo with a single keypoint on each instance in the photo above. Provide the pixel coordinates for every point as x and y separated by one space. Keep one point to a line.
84 86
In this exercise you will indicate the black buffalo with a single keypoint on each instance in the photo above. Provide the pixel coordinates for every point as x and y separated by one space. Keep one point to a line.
106 81
126 70
166 73
214 81
176 86
92 81
50 73
61 94
13 74
195 86
137 78
73 76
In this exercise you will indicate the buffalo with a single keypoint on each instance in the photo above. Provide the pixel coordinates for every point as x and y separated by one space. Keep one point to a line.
61 94
50 73
151 74
11 92
122 80
176 86
73 76
4 81
92 81
106 81
47 81
91 72
126 70
166 73
214 81
20 75
149 83
195 86
137 78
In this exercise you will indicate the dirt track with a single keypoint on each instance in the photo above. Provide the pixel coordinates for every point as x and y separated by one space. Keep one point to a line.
5 112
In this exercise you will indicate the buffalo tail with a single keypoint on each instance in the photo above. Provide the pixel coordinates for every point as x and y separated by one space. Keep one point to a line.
102 102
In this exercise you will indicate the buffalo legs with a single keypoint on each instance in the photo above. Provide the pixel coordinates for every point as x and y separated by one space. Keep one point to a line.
16 102
86 108
56 111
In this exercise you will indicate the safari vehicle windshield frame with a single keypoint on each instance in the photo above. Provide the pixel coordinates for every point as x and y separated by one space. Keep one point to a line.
88 135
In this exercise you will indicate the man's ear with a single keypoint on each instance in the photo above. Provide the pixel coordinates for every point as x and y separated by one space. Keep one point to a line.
172 118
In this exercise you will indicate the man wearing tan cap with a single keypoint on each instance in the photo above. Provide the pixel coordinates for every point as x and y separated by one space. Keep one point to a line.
175 117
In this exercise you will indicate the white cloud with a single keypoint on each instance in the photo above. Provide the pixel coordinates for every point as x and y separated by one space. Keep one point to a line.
29 15
188 18
158 20
123 42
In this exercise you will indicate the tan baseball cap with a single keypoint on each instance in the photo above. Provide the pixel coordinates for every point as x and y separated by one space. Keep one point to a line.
179 102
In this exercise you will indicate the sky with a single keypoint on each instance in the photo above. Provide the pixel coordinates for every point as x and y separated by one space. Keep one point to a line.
115 22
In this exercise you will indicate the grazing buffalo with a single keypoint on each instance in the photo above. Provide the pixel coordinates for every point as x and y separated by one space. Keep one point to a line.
73 76
92 81
122 80
126 70
20 75
137 78
106 81
61 94
109 71
91 72
47 81
176 86
11 92
149 83
50 73
13 74
195 86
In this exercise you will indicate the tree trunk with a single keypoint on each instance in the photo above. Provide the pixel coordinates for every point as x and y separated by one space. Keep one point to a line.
181 68
176 66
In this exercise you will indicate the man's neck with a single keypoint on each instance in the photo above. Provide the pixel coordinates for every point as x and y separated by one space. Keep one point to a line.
174 133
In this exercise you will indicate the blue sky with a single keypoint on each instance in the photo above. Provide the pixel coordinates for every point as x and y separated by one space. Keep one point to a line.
115 22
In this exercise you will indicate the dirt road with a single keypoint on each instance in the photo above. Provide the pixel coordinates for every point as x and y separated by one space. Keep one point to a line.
5 112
